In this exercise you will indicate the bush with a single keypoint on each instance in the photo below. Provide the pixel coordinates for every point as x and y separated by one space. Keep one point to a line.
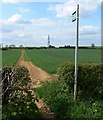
90 79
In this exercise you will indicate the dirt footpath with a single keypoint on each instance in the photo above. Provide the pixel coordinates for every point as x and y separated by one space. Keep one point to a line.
37 75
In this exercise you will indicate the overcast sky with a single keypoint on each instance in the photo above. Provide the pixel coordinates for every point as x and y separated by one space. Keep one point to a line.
29 22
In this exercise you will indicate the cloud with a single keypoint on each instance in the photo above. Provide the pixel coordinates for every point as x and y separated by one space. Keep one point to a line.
89 30
77 1
43 22
15 32
66 9
17 23
17 18
63 9
13 24
36 32
89 35
15 1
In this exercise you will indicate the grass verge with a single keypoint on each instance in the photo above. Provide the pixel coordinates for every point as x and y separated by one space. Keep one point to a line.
56 95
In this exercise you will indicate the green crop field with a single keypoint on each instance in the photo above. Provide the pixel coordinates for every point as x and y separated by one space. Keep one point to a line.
9 57
50 59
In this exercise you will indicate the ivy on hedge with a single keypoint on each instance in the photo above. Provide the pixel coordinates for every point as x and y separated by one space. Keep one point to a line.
90 79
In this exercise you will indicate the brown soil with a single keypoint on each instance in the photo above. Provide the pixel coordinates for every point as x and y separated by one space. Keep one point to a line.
37 75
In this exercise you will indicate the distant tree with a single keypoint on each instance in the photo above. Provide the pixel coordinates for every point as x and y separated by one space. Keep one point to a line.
6 46
92 45
12 46
50 46
21 46
67 46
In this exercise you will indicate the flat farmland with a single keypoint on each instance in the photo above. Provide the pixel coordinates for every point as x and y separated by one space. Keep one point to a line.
50 59
9 57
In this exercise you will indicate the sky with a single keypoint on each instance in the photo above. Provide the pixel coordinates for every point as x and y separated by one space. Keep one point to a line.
29 22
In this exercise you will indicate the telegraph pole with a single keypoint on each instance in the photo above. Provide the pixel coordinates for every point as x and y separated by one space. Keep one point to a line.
76 53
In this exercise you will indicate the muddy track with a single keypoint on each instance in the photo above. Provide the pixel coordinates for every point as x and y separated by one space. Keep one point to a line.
37 75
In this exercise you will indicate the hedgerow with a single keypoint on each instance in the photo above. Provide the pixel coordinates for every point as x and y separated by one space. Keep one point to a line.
18 102
90 79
